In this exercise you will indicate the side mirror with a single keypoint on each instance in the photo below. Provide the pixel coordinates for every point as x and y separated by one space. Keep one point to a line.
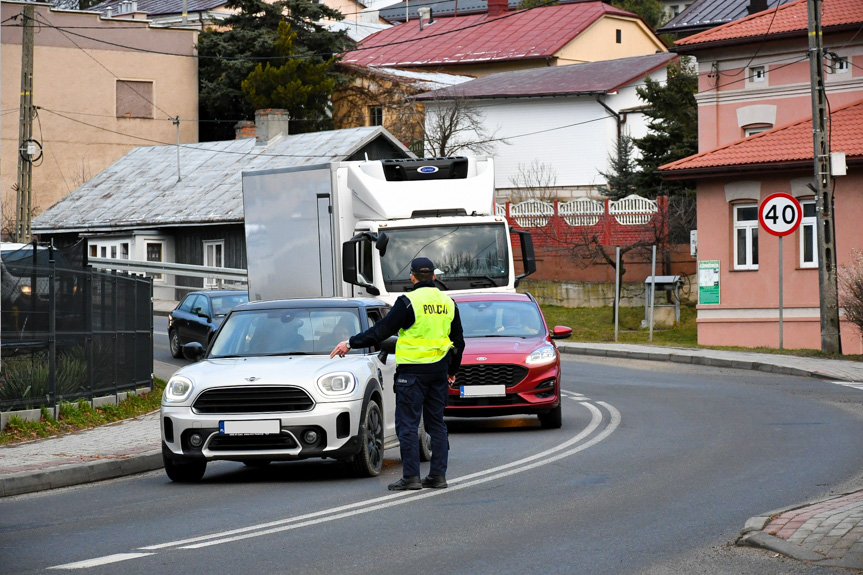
528 256
193 351
561 332
381 243
349 260
387 347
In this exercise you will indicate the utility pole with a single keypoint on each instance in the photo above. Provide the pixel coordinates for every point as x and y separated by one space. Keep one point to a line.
827 282
25 131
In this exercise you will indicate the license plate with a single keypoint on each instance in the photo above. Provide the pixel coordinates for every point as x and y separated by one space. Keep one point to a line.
483 391
253 427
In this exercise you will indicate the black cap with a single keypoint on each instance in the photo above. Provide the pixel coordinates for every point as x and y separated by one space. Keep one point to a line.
422 265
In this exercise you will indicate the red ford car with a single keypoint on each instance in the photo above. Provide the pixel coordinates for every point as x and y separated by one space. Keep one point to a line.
510 363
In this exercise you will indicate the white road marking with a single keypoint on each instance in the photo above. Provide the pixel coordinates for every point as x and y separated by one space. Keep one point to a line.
101 561
854 384
545 457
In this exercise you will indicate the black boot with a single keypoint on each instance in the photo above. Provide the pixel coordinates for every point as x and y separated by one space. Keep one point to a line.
434 481
405 483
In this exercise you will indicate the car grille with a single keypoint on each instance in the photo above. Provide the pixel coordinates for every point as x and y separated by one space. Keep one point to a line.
253 400
490 374
251 442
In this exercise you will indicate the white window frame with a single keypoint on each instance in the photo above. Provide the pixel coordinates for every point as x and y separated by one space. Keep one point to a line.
157 278
214 256
749 229
757 74
749 132
808 233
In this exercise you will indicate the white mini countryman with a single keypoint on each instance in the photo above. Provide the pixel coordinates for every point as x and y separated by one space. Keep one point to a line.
266 390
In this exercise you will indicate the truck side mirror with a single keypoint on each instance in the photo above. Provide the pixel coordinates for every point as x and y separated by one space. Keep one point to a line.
349 262
528 257
381 243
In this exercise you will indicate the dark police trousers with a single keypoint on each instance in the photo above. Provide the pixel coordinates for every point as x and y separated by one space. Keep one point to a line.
422 394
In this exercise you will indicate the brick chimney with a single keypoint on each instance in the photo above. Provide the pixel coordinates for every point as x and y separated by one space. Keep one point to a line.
497 7
269 123
756 6
244 129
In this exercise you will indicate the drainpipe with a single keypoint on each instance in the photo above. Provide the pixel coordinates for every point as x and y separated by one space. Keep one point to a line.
621 118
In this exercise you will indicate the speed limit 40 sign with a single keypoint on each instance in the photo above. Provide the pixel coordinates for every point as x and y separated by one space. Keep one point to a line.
780 214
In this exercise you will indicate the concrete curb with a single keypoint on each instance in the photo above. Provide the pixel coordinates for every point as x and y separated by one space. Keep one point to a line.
694 360
769 542
69 475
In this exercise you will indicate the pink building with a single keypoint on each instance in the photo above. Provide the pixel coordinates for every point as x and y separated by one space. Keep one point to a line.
755 139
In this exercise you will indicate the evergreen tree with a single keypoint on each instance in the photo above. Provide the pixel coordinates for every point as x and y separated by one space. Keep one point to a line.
672 135
302 86
672 129
622 177
651 11
251 37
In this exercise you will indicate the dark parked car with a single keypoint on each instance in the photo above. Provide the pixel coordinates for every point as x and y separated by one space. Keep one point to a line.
199 315
510 363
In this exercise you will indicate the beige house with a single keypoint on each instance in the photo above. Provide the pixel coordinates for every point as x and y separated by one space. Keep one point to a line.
101 87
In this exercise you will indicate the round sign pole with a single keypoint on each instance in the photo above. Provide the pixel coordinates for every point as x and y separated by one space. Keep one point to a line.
780 215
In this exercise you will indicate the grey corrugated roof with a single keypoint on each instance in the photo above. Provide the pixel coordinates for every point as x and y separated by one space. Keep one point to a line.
705 14
396 12
160 7
140 190
589 78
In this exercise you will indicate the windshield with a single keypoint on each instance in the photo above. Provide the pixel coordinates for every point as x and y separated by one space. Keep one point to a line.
465 256
306 331
500 319
222 304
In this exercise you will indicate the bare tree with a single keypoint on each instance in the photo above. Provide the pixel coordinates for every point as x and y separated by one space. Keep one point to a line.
851 290
454 125
537 180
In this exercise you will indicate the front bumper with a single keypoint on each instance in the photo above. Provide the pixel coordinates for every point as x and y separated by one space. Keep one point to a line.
335 425
538 392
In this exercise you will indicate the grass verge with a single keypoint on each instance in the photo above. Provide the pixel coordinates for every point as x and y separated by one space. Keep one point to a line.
77 416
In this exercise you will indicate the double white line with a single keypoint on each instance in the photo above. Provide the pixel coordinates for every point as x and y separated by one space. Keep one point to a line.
578 443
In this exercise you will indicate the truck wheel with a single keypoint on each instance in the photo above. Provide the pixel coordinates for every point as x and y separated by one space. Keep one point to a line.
183 470
425 443
370 459
176 347
551 420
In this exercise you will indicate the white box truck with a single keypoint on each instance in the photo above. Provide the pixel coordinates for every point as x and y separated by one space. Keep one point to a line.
352 228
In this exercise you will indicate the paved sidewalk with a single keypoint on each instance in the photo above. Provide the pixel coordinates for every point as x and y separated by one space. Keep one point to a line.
828 532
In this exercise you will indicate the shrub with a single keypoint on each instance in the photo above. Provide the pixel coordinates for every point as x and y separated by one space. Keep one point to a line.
851 290
26 378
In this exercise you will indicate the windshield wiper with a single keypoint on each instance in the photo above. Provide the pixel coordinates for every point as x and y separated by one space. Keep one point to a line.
482 283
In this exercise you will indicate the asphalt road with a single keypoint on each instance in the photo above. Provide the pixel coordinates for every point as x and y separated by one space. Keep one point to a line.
655 470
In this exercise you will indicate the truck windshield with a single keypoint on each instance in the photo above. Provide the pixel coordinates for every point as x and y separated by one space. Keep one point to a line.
465 256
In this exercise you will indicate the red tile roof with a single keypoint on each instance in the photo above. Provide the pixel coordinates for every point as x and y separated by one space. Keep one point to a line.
477 38
786 145
785 19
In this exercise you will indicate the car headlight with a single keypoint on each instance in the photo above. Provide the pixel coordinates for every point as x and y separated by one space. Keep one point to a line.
341 383
545 354
26 290
178 390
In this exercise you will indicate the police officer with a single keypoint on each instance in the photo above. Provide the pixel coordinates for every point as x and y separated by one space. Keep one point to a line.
428 355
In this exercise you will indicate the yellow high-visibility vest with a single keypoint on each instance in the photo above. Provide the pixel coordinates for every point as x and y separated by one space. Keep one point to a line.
427 340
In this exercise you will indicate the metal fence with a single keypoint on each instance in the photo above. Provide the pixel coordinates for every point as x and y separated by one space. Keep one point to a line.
70 332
